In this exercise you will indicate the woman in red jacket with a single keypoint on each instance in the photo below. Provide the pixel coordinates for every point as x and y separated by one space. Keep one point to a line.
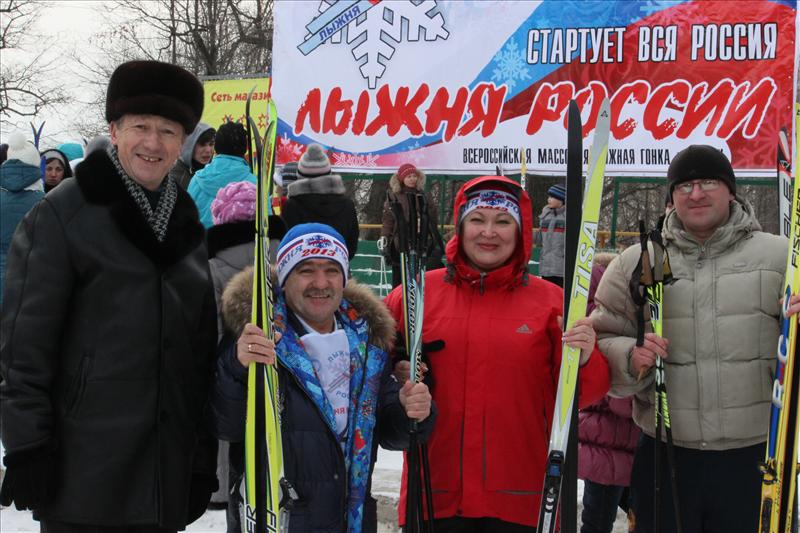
495 380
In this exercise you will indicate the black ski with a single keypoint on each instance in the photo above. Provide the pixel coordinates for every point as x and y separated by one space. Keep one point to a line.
414 238
574 202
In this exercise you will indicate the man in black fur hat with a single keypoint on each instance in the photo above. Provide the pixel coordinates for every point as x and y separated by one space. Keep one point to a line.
108 329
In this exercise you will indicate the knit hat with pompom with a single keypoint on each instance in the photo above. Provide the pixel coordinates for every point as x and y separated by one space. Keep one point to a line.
314 162
22 150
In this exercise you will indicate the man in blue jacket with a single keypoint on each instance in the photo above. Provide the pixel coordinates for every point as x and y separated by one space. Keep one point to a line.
339 400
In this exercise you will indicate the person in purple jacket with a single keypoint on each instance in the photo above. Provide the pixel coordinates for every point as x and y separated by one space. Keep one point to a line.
607 438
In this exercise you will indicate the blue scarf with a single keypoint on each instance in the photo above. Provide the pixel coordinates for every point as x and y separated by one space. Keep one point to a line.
366 367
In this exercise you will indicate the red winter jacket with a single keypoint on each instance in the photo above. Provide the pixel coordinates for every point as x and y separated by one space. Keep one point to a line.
494 381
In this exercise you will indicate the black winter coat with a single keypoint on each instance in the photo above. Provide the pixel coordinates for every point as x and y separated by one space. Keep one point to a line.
313 458
107 351
322 199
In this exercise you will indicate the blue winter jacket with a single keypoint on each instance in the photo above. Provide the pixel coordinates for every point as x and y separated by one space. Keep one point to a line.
15 202
313 460
205 184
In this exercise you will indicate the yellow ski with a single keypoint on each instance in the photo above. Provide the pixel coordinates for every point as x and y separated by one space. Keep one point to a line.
263 480
779 469
570 357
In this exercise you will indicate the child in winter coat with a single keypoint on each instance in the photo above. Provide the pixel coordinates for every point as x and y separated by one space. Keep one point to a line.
551 235
607 439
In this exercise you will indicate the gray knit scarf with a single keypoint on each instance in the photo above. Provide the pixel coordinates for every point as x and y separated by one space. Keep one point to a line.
158 219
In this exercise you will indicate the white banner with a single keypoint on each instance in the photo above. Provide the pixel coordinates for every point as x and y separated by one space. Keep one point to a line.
463 87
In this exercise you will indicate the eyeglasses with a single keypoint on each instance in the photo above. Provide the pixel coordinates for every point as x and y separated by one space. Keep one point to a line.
705 186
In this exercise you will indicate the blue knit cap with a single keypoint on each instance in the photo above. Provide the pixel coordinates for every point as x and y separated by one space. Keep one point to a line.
311 241
558 191
71 150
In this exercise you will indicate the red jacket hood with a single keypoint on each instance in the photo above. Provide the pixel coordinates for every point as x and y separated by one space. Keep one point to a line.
511 273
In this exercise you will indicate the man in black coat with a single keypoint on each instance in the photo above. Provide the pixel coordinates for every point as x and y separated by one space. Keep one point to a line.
319 196
108 329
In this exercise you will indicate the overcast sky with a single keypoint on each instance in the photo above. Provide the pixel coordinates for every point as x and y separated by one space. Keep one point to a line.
67 27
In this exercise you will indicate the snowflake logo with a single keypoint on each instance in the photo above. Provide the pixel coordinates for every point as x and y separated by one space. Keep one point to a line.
511 66
374 34
355 160
492 198
319 241
288 150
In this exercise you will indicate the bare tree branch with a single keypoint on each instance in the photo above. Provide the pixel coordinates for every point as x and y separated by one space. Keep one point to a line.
206 36
25 89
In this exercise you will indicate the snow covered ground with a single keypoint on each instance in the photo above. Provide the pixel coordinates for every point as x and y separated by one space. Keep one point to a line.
386 488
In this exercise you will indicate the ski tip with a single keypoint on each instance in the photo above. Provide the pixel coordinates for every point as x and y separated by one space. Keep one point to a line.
574 118
605 108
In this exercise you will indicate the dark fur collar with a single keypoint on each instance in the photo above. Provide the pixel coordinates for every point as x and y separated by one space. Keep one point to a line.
226 235
230 234
100 184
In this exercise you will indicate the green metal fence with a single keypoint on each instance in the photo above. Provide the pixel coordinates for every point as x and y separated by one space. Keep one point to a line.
368 268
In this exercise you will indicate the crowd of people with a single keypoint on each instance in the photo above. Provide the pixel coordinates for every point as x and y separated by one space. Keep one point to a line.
126 337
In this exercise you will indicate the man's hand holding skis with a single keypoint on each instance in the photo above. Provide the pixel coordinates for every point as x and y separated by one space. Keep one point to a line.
253 346
794 305
402 370
416 400
643 357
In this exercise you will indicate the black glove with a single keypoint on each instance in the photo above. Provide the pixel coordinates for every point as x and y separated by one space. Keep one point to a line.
430 347
200 491
29 481
427 348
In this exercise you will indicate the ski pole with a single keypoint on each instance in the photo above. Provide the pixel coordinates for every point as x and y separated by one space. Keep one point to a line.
652 279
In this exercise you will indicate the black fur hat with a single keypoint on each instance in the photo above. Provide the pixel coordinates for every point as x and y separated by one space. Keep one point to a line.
155 88
700 161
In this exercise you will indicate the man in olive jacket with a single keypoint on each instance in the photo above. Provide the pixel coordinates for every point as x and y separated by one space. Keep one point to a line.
721 325
109 329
